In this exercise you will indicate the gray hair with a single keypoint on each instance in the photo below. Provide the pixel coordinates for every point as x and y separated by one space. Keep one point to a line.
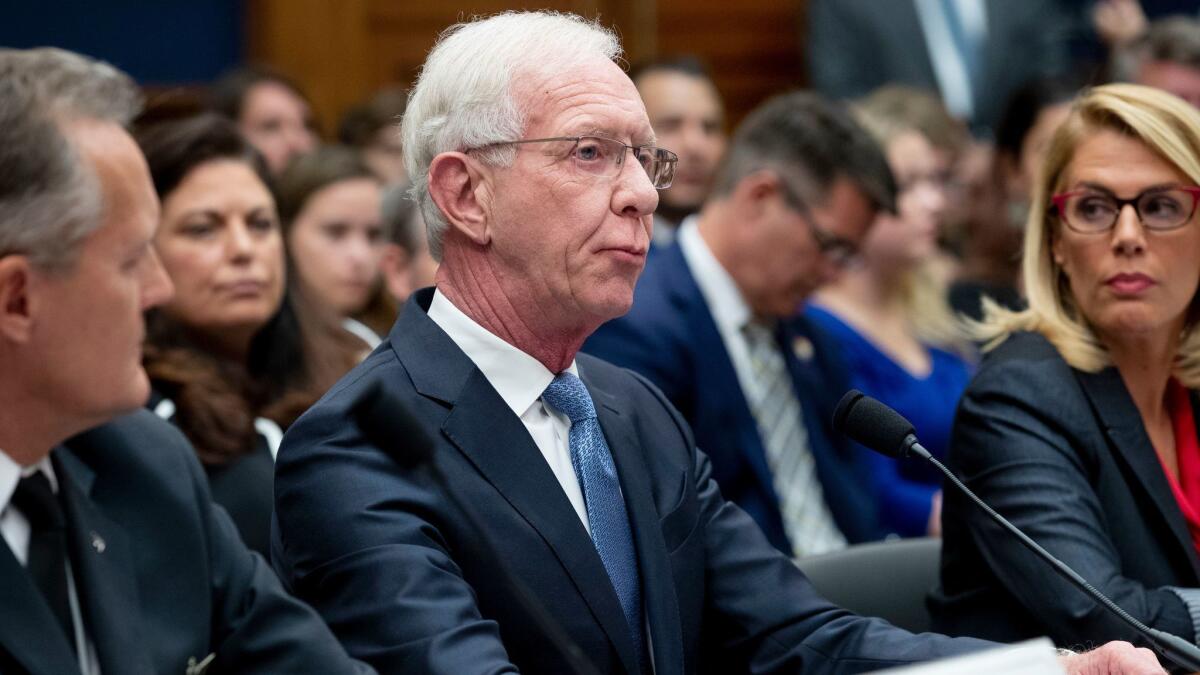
49 199
464 97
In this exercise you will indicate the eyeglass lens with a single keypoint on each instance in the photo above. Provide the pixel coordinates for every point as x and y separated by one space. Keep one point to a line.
605 156
1157 209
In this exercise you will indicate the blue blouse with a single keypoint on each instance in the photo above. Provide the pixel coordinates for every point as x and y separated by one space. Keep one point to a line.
904 489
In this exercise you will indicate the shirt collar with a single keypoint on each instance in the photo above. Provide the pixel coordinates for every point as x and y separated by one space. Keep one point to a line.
720 291
519 378
11 473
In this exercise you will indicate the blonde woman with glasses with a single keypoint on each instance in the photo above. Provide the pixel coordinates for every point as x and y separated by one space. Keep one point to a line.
1080 426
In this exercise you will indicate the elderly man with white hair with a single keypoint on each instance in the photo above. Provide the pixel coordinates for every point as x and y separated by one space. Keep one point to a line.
536 169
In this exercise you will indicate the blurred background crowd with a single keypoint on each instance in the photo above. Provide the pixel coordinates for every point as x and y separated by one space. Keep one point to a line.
924 200
271 133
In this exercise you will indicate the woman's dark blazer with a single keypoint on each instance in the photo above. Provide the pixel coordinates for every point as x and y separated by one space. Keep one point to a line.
1064 456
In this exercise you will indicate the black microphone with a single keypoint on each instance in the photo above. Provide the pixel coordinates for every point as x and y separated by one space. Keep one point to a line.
885 431
386 423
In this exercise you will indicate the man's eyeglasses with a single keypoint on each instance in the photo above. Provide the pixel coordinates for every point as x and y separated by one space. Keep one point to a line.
1158 209
841 252
605 156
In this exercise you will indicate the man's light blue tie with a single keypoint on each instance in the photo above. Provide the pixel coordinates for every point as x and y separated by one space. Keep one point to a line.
606 514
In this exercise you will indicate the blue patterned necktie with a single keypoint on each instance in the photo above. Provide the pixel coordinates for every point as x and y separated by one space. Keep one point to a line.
607 519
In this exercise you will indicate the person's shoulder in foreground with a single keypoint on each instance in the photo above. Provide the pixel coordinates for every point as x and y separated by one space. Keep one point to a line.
168 578
114 559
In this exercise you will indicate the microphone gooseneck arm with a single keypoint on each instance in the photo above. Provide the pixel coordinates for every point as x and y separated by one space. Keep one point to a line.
878 427
1174 648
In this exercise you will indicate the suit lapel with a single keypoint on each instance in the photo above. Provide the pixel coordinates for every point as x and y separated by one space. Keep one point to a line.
686 295
104 572
28 630
658 588
1130 443
495 441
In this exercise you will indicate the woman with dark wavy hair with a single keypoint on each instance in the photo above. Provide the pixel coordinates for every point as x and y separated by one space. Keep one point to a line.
232 357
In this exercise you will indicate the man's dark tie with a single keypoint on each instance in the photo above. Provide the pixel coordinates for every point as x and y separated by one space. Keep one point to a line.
47 561
607 519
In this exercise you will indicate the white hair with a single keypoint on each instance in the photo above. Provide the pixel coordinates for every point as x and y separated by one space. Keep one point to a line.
464 97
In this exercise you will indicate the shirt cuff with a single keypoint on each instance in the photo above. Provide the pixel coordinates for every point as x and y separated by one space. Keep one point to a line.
1191 600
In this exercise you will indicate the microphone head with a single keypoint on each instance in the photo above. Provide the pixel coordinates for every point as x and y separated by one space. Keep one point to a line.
872 424
386 423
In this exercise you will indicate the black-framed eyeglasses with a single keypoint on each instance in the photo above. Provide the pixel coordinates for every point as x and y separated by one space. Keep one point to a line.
1159 209
839 251
605 156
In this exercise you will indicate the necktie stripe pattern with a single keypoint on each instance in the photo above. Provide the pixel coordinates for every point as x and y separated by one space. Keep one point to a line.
607 518
806 517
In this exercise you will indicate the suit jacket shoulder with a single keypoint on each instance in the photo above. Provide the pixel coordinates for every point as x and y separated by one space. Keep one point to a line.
163 575
1062 454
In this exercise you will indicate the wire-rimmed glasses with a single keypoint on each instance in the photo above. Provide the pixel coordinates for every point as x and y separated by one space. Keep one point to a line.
605 156
837 250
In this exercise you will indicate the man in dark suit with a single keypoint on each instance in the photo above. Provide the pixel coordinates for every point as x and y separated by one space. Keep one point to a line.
798 189
114 558
536 172
973 52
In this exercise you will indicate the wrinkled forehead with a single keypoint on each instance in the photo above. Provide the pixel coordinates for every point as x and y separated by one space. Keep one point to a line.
594 97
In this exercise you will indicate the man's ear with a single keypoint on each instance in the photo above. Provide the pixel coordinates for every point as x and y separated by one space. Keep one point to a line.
16 302
753 193
458 185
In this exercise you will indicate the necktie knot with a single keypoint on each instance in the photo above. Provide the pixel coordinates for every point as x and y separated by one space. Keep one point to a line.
567 395
38 503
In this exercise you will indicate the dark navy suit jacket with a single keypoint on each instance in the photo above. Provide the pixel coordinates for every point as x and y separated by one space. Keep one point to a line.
391 564
1064 455
670 337
161 573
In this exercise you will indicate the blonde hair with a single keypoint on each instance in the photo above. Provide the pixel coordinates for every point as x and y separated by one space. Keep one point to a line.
888 113
1165 124
894 109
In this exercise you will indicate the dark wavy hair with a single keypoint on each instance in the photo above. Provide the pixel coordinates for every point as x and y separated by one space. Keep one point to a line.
216 399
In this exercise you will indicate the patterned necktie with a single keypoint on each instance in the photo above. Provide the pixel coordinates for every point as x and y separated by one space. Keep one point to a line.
806 517
47 560
606 515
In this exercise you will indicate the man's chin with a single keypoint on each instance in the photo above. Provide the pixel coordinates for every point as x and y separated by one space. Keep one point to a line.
613 305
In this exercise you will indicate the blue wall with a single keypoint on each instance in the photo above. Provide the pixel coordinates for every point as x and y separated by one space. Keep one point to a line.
156 41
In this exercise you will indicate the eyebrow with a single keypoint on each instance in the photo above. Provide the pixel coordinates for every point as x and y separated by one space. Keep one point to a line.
1108 191
219 215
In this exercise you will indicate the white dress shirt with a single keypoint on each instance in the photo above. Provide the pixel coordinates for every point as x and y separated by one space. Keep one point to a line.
818 532
16 531
949 64
725 302
520 380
